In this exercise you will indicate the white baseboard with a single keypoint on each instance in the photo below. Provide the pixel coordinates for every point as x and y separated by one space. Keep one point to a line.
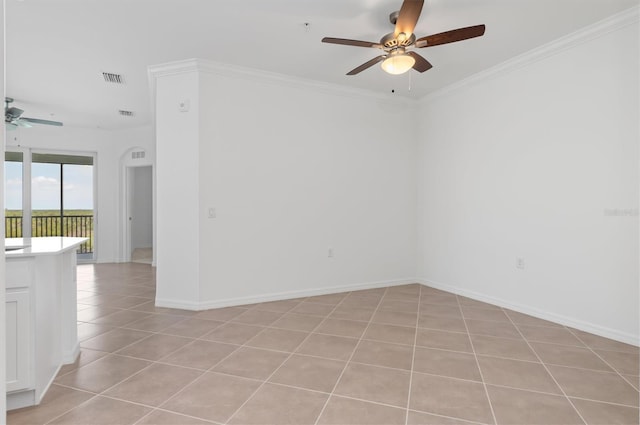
39 397
521 308
107 260
21 399
70 356
541 314
179 304
277 296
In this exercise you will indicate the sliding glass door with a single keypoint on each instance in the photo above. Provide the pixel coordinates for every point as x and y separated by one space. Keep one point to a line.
13 194
50 194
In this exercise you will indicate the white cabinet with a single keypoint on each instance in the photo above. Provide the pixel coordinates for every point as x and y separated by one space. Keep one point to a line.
41 320
18 339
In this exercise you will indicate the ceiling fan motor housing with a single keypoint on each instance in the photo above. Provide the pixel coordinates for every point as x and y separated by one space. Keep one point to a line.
390 41
12 113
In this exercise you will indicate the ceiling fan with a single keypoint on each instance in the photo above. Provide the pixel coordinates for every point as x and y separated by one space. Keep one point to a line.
397 58
13 117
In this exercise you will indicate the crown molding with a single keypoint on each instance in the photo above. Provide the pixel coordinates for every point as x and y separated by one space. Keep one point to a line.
601 28
240 72
173 68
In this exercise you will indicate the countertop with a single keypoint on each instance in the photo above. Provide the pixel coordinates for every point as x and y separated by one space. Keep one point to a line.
29 247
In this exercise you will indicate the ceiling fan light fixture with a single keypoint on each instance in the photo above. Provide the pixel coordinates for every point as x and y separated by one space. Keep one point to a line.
397 64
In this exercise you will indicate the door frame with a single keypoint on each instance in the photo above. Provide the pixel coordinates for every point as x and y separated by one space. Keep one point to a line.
128 163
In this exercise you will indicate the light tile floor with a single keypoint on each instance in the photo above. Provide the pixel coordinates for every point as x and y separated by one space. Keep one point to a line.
142 255
399 355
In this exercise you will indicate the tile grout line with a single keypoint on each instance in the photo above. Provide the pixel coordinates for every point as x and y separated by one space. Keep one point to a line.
230 320
101 393
160 332
73 408
203 371
154 409
210 369
601 358
413 355
405 370
93 395
108 353
475 356
153 362
466 421
291 354
126 346
350 357
157 409
547 369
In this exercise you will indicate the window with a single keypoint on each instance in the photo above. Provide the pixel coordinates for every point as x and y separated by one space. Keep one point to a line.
57 199
13 170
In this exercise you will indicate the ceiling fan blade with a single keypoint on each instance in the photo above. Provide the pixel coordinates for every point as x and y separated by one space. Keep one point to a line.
22 123
10 126
421 64
451 36
408 17
347 42
39 121
366 65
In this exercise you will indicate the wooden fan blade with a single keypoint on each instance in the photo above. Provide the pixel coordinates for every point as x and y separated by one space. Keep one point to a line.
421 64
408 17
451 36
366 65
347 42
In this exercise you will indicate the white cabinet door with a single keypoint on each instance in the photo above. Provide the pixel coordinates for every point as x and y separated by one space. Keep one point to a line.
18 340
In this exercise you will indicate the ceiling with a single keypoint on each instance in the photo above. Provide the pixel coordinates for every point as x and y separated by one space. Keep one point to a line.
56 50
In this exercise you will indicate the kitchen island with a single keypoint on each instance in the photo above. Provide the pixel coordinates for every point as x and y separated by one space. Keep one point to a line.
41 314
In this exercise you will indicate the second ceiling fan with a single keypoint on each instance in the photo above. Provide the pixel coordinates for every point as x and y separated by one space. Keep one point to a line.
13 117
397 58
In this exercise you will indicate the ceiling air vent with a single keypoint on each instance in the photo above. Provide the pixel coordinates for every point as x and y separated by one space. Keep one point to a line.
137 155
113 78
125 113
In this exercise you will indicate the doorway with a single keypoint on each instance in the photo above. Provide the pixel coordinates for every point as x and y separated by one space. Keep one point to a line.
140 214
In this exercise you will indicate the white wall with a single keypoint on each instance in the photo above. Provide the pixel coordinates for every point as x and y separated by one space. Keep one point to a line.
177 206
291 169
527 163
142 208
109 146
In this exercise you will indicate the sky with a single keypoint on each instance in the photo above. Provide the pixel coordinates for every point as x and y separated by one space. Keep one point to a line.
45 186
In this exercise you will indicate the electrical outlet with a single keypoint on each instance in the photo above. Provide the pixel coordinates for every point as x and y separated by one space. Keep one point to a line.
520 263
330 253
212 213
